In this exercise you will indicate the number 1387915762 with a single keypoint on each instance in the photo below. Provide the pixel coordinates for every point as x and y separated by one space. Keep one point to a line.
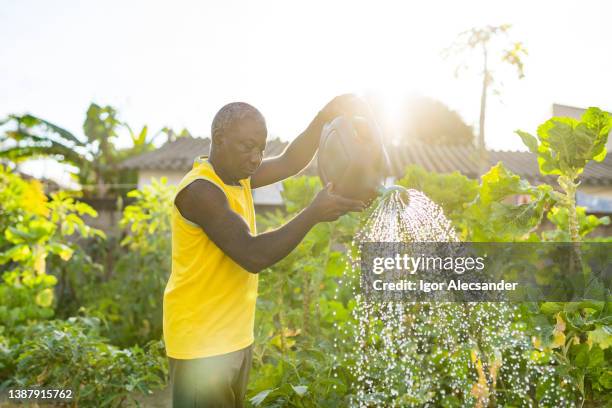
29 394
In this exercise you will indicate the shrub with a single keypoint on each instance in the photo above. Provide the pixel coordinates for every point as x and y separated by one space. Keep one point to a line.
130 301
71 355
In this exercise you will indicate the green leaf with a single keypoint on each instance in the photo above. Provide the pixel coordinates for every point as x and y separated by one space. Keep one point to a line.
499 183
33 120
582 355
602 336
142 137
17 253
64 251
44 298
550 308
83 208
596 356
606 379
17 236
258 399
529 140
600 123
300 389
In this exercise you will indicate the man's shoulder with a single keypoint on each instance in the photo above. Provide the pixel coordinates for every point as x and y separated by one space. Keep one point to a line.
201 174
201 187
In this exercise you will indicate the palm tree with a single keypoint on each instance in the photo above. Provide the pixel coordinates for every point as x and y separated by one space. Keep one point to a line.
481 41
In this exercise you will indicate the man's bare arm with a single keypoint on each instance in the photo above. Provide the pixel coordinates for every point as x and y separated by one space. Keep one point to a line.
295 157
205 204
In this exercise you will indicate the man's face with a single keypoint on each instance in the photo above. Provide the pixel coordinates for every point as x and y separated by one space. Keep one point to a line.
242 148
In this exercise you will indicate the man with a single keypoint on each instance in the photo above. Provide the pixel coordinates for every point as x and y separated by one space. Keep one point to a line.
209 301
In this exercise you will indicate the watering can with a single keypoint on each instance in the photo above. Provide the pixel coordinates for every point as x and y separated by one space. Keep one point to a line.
352 156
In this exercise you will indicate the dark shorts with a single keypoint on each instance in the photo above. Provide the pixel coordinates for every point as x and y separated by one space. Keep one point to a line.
217 381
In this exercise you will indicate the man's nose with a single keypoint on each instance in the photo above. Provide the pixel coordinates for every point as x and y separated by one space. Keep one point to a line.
256 157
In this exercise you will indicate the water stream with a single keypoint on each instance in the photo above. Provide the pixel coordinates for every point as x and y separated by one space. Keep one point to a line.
428 354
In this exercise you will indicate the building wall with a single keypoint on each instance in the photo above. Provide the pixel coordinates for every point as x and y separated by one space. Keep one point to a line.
145 176
599 191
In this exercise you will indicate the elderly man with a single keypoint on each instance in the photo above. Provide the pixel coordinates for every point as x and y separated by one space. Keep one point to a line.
209 301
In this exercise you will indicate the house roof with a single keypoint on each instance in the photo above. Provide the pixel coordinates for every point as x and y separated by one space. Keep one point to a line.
446 159
179 155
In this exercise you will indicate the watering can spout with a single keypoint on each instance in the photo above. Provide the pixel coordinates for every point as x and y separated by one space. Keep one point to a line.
400 191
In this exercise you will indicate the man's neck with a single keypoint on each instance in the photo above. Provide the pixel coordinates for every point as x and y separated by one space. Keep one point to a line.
223 175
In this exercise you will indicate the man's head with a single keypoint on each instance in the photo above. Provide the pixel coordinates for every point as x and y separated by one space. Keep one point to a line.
238 139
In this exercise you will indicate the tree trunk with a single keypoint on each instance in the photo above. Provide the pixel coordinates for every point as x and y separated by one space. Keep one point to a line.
482 152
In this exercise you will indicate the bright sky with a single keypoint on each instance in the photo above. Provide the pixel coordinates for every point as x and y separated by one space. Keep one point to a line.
176 63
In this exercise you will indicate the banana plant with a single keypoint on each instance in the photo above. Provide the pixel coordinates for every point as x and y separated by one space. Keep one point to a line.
94 153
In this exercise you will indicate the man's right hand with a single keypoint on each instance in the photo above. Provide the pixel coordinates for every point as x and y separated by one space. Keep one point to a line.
328 206
348 105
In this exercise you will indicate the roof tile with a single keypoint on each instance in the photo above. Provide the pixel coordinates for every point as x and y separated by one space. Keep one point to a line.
179 155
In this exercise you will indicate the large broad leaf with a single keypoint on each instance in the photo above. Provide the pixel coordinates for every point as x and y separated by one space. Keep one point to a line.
600 124
142 137
557 137
493 217
35 137
30 121
529 140
46 149
499 183
564 145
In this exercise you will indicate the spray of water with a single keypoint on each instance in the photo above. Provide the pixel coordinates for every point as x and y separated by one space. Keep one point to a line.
435 354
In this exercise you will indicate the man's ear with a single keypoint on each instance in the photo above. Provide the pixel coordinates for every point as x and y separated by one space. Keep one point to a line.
217 139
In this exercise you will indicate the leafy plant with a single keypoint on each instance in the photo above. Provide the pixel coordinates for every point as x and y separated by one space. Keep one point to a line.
29 239
485 211
582 331
451 191
491 218
299 311
563 147
305 321
38 236
72 355
130 300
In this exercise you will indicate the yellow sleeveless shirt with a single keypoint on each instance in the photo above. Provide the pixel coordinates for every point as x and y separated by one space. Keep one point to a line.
209 301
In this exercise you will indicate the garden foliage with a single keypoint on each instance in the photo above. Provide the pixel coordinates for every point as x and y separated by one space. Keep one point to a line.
44 241
82 310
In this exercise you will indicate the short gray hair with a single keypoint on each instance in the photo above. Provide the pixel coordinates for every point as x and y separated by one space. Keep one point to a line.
232 113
